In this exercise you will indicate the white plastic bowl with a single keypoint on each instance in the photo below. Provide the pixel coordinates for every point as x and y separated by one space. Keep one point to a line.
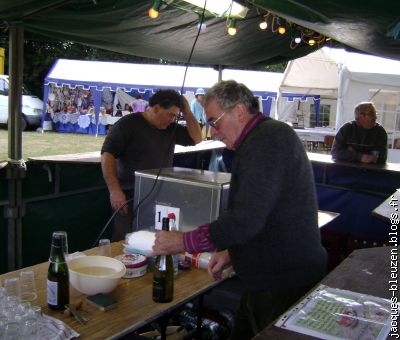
93 281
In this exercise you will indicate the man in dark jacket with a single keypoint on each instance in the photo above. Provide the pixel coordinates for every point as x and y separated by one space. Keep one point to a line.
362 140
269 232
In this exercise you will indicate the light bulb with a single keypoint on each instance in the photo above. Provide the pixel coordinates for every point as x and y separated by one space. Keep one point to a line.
153 14
263 25
232 30
297 40
153 11
281 30
311 42
232 26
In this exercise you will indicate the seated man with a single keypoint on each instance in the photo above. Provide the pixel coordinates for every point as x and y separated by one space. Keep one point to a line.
362 140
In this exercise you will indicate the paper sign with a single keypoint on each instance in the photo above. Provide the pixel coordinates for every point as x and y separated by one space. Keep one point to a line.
163 211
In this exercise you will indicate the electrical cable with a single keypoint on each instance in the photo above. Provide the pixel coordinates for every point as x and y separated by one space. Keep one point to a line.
169 145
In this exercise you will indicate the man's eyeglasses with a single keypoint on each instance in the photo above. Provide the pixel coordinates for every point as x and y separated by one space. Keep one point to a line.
368 113
213 123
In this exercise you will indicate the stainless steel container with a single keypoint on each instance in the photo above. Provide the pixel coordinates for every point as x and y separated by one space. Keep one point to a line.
199 194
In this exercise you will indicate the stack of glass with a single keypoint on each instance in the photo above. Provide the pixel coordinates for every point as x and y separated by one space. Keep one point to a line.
19 318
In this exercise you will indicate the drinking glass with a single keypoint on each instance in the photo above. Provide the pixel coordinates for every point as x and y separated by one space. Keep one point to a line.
105 247
24 307
11 331
3 322
35 312
30 328
2 298
11 301
27 286
12 286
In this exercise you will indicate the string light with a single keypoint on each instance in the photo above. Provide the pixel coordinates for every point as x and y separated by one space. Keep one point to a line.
232 26
281 26
297 36
311 42
278 25
263 25
153 11
264 22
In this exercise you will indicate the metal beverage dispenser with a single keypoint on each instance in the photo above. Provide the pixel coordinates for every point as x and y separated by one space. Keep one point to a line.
195 197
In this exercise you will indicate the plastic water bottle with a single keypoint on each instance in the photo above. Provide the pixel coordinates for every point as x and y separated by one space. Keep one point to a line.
172 227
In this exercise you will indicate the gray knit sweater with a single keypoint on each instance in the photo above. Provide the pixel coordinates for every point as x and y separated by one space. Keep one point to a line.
271 225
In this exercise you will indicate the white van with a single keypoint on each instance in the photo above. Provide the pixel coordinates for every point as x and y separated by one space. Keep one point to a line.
32 106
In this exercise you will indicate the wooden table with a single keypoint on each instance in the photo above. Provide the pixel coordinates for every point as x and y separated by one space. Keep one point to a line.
388 207
135 306
363 271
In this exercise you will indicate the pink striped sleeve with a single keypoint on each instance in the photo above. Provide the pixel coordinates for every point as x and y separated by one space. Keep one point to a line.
198 240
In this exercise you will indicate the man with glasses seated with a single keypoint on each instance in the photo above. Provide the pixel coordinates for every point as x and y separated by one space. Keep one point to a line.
269 231
143 140
361 140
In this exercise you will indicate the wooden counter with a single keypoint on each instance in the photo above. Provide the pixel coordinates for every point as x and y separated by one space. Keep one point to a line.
364 271
135 306
95 157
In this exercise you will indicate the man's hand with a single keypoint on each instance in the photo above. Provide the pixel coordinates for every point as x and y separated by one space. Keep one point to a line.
218 262
118 199
168 242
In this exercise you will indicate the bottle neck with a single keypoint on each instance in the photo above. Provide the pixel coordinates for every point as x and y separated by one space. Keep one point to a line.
57 252
165 224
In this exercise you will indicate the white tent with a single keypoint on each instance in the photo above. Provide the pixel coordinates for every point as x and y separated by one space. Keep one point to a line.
348 78
99 79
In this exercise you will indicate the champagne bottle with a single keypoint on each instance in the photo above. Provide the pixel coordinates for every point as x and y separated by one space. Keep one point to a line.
163 274
58 275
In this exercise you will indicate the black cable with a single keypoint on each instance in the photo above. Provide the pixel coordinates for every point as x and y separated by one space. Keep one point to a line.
194 45
169 145
109 221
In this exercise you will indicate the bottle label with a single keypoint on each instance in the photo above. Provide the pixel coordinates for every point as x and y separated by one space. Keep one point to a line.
52 293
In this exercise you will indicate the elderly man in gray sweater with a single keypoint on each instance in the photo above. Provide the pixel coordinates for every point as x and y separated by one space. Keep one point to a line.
269 232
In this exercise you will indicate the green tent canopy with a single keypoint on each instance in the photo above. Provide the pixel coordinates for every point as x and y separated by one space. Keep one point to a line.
124 26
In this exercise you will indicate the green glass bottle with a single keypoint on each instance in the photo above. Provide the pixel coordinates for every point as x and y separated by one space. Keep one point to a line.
163 274
58 275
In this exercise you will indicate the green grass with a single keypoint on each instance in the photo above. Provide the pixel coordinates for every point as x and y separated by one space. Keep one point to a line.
36 144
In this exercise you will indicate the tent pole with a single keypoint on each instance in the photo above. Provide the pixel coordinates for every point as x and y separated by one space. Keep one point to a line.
220 68
16 167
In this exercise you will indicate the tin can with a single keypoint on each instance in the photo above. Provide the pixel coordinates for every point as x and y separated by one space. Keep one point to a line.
136 265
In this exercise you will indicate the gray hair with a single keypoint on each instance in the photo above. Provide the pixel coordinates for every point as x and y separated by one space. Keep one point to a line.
229 93
361 107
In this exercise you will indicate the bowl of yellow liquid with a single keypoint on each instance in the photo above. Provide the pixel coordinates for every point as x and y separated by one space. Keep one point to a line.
95 274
